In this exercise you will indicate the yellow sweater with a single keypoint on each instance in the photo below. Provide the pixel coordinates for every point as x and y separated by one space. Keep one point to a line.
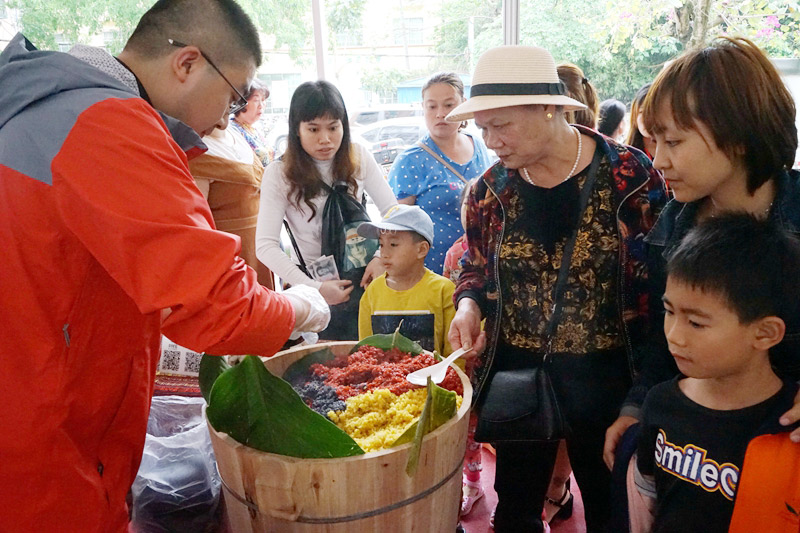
432 293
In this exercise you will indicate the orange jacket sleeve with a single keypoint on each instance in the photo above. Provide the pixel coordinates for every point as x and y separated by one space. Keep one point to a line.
146 222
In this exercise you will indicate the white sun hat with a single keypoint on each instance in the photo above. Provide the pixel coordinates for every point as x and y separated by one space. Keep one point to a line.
514 75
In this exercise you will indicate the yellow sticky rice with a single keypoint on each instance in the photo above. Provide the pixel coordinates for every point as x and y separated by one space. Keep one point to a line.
377 418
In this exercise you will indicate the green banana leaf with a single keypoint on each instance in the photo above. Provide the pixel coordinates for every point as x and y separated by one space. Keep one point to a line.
211 366
440 406
298 370
262 411
387 341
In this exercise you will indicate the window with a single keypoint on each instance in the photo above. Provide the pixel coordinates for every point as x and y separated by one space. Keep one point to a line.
408 31
63 43
409 134
353 37
108 39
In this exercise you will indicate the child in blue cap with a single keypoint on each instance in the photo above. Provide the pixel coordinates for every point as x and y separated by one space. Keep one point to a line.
407 291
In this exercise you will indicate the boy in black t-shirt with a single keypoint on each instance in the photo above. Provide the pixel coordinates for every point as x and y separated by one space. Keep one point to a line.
732 291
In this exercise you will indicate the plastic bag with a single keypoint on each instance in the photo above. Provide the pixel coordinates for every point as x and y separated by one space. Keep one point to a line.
177 488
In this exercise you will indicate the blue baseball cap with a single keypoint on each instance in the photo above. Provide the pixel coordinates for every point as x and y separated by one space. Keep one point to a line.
400 217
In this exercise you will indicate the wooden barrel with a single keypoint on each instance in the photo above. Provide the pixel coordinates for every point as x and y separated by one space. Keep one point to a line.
265 492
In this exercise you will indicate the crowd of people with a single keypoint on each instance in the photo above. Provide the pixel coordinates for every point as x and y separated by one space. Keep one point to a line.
648 287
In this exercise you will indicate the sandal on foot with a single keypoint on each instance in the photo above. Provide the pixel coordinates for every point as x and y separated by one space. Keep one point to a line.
468 501
563 505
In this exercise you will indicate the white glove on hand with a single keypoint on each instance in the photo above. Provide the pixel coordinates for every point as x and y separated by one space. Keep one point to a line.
311 312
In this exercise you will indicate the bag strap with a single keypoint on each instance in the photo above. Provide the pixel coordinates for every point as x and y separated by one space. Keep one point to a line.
302 264
442 161
566 256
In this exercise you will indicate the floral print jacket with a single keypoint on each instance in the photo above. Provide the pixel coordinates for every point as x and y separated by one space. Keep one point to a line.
638 193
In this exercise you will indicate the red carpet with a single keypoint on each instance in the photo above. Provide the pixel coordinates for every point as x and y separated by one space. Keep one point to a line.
478 519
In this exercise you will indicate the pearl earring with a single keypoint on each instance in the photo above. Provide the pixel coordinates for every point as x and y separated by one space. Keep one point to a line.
549 116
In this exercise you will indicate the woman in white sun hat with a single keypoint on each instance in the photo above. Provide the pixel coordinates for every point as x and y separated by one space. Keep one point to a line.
554 183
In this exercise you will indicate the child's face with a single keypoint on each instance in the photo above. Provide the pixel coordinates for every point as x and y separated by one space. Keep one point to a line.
400 254
692 163
705 336
321 137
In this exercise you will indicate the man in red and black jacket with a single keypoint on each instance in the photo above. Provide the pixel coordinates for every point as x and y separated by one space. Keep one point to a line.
106 243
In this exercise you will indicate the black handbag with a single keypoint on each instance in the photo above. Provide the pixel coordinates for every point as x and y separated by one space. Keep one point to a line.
520 404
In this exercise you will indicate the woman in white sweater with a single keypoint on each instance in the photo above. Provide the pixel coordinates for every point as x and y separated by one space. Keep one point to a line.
319 150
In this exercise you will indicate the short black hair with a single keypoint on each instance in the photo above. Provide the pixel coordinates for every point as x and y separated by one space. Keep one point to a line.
753 264
751 120
220 28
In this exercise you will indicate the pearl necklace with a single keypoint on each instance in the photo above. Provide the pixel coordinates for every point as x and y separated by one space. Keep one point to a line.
527 177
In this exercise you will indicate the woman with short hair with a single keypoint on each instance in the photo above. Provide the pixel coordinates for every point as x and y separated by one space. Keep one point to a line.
245 119
722 146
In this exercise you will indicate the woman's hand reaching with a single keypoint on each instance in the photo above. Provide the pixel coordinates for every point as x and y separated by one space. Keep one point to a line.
336 291
465 328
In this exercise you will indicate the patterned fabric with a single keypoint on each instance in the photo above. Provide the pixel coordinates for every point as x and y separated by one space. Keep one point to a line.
264 153
589 321
171 384
634 185
452 259
416 173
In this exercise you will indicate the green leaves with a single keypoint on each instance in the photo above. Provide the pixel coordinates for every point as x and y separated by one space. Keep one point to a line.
440 406
211 366
299 368
390 340
262 411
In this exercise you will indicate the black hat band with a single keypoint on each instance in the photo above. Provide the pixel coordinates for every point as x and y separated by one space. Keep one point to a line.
517 89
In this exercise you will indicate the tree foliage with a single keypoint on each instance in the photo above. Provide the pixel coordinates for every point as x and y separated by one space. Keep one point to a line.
620 44
565 29
76 20
452 35
382 80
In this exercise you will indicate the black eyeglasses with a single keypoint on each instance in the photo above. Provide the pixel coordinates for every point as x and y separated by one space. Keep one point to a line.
236 106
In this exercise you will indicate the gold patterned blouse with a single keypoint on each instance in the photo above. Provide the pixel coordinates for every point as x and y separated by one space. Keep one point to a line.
538 223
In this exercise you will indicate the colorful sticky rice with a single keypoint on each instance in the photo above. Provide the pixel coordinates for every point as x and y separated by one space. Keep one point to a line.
366 393
377 418
371 368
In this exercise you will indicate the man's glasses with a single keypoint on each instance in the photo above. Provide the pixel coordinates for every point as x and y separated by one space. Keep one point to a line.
236 106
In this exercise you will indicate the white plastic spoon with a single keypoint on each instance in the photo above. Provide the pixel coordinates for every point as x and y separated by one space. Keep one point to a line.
436 372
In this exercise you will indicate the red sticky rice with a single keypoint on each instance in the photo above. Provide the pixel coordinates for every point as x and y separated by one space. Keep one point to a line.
371 368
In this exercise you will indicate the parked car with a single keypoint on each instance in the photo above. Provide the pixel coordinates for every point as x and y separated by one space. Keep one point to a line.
409 129
371 115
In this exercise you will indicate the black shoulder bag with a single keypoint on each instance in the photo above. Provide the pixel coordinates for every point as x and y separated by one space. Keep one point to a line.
520 404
